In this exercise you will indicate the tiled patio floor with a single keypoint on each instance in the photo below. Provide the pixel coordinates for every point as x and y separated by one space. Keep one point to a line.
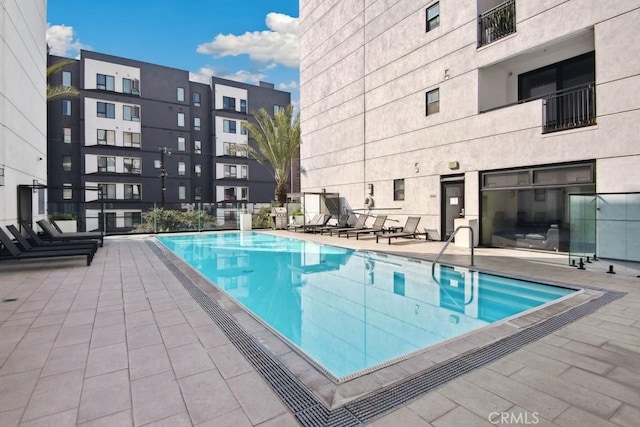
123 343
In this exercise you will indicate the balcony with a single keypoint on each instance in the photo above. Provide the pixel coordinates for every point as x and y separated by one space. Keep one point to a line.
569 108
497 22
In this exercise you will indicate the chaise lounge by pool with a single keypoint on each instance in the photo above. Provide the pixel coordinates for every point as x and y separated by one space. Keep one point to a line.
353 312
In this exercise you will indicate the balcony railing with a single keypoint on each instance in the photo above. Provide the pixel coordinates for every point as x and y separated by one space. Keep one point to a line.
497 22
569 108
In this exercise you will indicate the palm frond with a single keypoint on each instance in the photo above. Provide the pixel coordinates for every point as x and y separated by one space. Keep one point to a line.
55 92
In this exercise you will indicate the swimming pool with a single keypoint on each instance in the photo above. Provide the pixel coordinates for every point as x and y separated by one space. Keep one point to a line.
352 311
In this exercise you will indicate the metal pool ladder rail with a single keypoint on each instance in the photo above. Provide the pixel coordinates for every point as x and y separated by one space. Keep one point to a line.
433 265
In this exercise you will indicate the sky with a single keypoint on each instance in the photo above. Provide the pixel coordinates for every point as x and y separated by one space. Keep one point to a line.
242 40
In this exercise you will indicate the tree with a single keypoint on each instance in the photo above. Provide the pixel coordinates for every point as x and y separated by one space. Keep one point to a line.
55 92
278 144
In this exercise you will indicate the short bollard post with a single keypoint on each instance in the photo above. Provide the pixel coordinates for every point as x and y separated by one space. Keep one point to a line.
580 265
611 270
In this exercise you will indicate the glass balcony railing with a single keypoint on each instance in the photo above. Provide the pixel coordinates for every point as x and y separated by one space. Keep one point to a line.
497 22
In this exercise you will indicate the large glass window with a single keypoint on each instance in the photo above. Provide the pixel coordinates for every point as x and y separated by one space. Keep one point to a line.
106 137
106 164
132 219
562 75
131 86
105 82
229 171
398 189
107 191
132 165
131 139
433 16
132 191
228 103
229 126
106 110
131 113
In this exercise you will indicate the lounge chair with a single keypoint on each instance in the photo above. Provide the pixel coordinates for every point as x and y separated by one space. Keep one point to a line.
359 225
55 235
409 230
35 239
343 222
314 220
377 227
55 246
11 251
322 222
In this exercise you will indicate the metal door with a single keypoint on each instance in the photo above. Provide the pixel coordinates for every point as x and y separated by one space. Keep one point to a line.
452 205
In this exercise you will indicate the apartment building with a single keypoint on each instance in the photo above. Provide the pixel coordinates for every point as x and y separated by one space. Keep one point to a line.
489 112
144 135
23 111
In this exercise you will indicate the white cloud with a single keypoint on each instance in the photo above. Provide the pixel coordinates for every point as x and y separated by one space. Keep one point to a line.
278 45
286 86
60 39
204 75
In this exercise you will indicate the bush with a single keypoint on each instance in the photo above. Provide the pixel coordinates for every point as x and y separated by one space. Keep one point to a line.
261 218
62 216
169 220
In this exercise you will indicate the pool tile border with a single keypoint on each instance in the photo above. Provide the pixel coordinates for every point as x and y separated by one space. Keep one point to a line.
315 400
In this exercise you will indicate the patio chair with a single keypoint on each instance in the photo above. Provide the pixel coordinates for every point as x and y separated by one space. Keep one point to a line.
343 222
409 230
37 241
313 220
359 225
11 251
322 222
55 235
55 246
376 227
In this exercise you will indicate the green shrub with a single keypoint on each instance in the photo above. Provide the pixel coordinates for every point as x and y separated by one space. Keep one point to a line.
62 216
170 220
261 218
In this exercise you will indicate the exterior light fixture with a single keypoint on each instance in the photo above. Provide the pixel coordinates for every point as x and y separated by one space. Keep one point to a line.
454 165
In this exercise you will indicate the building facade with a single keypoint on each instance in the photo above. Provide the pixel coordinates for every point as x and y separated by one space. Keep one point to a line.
144 135
490 111
23 110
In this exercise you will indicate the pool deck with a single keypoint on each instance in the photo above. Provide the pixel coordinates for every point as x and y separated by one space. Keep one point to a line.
123 343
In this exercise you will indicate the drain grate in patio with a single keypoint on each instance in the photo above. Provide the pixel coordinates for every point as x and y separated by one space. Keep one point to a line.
311 412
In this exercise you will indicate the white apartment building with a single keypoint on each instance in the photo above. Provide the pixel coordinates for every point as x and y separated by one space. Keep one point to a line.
487 110
23 110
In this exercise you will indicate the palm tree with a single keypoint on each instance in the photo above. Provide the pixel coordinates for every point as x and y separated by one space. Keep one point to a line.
278 144
55 92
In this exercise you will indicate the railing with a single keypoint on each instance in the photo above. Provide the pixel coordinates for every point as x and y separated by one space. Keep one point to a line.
497 22
569 108
449 240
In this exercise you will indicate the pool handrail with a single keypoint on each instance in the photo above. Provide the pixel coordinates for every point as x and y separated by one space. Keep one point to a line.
435 260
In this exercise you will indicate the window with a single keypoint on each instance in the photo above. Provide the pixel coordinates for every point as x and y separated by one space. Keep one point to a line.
229 126
231 149
228 103
181 120
66 78
131 86
243 172
182 143
196 99
198 193
157 164
433 17
433 101
66 107
182 168
66 135
132 165
230 193
106 137
132 219
198 170
197 147
131 139
104 82
229 171
180 94
106 164
107 110
131 113
67 192
243 106
132 191
243 130
66 163
244 193
398 189
107 191
277 108
182 192
1 177
196 123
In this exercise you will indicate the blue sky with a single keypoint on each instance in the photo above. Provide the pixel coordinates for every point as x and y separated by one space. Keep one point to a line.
244 40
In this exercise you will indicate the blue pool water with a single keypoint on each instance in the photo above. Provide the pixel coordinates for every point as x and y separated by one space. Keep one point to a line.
352 310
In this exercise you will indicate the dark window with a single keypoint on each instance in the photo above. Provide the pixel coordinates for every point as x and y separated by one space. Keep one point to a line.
104 82
567 74
106 110
66 107
228 103
132 191
106 164
107 191
132 219
196 99
243 106
106 137
66 163
398 189
131 113
131 86
433 101
229 126
433 16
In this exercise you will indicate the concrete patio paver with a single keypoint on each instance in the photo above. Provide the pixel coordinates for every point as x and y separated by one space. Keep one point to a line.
122 343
